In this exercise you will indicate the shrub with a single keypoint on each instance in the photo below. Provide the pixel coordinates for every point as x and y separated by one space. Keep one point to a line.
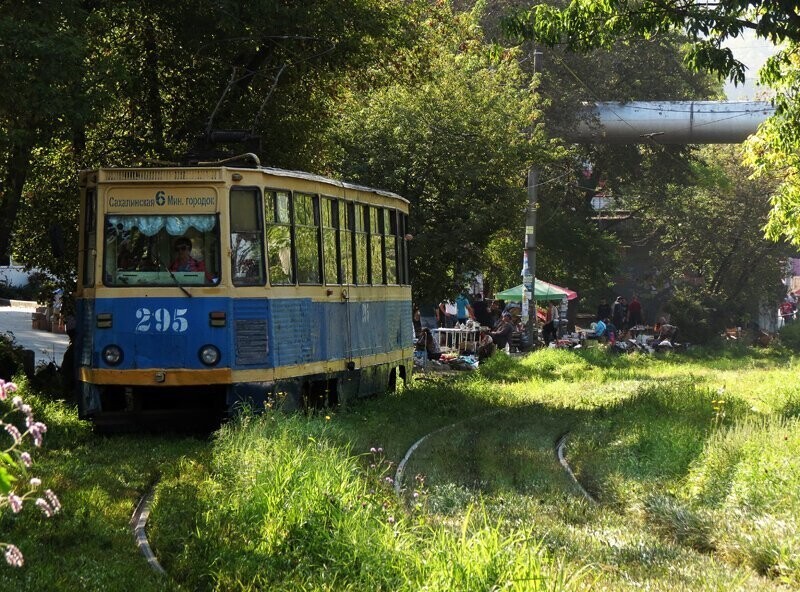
790 336
11 358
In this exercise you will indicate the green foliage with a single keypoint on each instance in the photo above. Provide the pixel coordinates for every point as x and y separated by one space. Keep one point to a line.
284 508
11 358
456 142
790 336
708 242
583 26
698 319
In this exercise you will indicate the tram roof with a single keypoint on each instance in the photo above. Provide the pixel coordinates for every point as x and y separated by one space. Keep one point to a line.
269 170
329 180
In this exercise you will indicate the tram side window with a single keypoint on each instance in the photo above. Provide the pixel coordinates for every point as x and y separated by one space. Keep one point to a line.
361 226
390 242
330 241
247 238
402 264
346 241
306 228
89 237
279 238
376 244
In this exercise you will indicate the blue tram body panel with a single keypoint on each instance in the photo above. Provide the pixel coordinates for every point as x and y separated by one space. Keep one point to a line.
258 332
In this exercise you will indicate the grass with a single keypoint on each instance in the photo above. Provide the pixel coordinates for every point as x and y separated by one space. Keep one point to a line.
692 458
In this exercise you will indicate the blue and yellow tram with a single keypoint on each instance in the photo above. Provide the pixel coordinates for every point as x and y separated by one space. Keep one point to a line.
208 286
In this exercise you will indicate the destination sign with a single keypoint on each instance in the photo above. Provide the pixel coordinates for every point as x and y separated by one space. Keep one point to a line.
188 200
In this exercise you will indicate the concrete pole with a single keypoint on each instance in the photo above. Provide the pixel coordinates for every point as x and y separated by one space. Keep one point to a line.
529 259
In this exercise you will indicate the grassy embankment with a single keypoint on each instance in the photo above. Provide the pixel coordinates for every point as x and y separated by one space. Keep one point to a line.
693 460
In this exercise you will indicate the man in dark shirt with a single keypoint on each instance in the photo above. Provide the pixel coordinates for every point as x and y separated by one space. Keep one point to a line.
603 310
481 310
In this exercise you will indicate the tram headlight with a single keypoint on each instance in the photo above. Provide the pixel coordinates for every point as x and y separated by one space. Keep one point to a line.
112 355
209 355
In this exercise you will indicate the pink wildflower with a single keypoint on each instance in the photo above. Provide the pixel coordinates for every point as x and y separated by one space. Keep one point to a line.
13 432
44 507
36 430
5 388
26 459
35 482
17 402
14 556
56 505
15 502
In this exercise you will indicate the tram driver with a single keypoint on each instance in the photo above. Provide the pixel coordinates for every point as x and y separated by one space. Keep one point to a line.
183 258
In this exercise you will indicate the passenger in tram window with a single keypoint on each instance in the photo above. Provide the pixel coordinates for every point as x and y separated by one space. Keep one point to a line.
183 257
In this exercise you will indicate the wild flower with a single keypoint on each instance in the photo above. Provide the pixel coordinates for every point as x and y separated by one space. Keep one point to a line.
14 464
15 502
46 509
13 555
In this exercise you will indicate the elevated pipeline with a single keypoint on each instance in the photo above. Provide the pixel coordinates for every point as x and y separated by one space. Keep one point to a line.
671 122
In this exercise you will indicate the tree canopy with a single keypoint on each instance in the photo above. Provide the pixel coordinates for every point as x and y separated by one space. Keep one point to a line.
582 25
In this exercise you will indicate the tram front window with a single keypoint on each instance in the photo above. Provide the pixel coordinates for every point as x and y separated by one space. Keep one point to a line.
161 250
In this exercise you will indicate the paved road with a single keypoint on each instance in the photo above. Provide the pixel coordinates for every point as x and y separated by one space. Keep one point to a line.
16 321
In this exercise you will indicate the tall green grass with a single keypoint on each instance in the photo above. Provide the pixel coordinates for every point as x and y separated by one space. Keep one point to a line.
284 506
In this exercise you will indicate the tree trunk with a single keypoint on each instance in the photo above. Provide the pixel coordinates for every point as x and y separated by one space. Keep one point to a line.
17 167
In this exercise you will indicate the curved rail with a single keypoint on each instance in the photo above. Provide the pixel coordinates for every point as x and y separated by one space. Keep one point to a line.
138 523
560 445
398 476
559 449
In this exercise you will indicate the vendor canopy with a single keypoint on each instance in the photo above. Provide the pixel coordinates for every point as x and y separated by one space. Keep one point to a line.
542 291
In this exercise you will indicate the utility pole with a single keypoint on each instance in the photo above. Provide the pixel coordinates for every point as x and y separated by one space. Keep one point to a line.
529 258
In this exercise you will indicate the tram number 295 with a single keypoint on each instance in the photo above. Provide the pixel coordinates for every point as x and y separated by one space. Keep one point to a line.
161 320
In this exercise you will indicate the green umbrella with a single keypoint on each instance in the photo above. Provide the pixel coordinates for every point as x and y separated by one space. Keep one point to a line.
542 291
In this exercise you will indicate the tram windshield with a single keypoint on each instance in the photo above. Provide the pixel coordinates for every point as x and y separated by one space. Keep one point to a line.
158 250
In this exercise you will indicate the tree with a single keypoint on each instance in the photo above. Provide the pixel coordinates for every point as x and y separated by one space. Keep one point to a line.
42 54
707 242
583 25
131 82
455 135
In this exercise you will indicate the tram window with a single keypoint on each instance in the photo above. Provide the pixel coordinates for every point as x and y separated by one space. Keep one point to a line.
390 242
402 263
159 250
247 238
306 228
376 245
279 238
346 241
330 241
89 237
361 226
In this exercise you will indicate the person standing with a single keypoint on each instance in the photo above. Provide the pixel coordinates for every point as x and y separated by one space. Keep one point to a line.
480 308
463 309
635 312
787 311
549 328
618 312
447 314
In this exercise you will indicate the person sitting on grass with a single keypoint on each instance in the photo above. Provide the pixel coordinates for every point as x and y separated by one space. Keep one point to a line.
502 333
486 346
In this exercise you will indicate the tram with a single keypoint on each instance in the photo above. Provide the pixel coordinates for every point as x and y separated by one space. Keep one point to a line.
206 287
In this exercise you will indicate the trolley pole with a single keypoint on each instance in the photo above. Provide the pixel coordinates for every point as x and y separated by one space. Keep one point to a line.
529 258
